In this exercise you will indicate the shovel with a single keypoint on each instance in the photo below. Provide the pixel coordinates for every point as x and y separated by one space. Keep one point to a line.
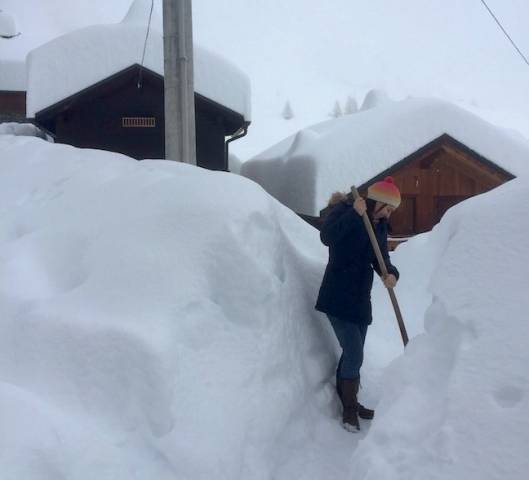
383 269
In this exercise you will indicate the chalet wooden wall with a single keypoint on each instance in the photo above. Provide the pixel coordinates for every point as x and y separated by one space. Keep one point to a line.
431 180
438 177
12 106
95 117
97 121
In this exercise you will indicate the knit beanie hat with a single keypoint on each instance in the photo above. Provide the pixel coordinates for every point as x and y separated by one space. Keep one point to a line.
385 191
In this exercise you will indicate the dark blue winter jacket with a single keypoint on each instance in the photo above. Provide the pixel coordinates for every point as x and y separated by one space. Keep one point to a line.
345 291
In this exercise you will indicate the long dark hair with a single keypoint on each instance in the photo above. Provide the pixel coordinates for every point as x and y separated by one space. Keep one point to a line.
340 197
370 203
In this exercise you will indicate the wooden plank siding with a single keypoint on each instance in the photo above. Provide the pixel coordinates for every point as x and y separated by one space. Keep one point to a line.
12 106
431 180
99 117
435 178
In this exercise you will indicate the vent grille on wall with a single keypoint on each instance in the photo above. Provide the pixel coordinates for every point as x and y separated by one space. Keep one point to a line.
138 122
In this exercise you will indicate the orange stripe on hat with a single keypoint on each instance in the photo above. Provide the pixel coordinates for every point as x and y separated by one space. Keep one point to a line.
385 191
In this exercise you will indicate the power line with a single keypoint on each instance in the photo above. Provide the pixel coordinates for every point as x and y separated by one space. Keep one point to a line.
140 77
505 32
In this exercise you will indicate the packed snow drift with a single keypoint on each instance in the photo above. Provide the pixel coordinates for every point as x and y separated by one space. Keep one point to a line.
454 405
157 321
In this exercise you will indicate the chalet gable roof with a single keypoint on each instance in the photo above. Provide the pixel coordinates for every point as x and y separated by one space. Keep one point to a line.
75 61
428 152
8 28
232 120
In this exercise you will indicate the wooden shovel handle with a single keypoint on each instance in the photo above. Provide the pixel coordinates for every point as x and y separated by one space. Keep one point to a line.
383 269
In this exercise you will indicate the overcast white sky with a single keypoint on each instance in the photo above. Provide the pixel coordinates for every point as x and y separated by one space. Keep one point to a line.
313 53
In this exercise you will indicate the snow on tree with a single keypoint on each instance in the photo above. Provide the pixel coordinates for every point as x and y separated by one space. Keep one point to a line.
350 106
336 111
374 98
287 113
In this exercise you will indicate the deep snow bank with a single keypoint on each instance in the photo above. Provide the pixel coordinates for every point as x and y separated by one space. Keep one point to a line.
156 319
454 406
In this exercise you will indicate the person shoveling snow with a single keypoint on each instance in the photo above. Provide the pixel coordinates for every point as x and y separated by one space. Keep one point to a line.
345 293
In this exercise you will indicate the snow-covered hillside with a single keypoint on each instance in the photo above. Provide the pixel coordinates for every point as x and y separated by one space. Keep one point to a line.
312 53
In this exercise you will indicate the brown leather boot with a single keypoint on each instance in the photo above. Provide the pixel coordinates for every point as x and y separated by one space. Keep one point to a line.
363 412
349 389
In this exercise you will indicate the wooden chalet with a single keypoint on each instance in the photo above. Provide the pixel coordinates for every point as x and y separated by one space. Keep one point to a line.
433 179
125 113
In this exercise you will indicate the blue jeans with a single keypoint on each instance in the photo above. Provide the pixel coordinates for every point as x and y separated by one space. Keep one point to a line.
351 337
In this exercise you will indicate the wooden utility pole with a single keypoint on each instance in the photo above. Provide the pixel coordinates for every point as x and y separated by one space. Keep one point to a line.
179 96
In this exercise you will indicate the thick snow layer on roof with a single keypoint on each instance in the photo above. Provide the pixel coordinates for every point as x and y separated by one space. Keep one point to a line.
303 170
40 21
68 64
12 75
8 27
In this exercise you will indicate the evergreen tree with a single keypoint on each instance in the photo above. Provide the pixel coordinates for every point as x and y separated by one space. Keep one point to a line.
287 111
337 110
350 106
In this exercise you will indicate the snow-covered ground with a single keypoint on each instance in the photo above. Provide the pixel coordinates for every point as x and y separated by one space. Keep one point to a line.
453 406
156 321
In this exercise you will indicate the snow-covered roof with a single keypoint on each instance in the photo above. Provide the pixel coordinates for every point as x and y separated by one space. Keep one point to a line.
38 22
303 170
8 26
77 60
12 72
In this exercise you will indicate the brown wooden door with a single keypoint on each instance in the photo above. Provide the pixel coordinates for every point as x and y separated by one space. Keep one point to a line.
443 202
403 219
